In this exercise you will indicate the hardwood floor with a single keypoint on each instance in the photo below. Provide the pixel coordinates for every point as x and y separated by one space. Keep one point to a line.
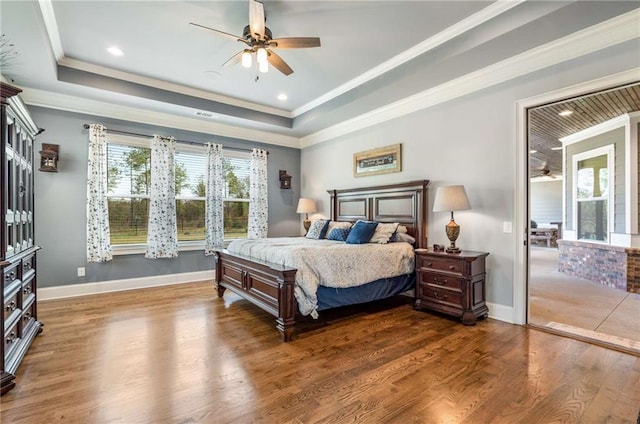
178 354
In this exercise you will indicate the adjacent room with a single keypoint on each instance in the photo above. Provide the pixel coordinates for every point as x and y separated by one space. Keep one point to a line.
581 282
320 212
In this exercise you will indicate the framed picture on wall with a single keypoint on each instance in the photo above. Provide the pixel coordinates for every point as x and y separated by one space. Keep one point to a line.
382 160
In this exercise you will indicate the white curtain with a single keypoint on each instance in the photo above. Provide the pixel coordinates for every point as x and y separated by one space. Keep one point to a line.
258 200
162 237
98 238
214 203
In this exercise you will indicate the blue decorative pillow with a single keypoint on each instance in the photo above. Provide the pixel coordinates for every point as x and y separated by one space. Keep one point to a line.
339 234
361 232
318 229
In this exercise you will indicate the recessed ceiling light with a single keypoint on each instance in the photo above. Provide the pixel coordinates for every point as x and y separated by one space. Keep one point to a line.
565 113
533 151
115 51
556 148
282 97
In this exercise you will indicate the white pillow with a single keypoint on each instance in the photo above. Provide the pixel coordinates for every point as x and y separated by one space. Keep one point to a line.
384 232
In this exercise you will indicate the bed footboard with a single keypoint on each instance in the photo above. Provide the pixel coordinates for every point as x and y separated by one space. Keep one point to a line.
266 285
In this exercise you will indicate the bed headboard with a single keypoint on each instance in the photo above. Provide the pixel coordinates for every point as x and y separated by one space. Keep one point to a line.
405 203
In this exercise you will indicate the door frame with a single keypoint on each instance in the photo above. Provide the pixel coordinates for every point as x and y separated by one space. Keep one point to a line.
521 207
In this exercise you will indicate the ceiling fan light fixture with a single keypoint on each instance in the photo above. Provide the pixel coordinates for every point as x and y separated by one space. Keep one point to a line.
263 66
246 58
261 54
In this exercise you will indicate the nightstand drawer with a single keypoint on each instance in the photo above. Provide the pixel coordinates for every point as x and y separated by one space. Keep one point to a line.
441 264
442 296
442 280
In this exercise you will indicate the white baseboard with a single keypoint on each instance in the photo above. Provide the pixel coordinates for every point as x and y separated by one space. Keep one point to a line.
73 290
501 312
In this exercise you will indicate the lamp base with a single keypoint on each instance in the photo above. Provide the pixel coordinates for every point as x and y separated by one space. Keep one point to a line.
306 223
453 249
453 230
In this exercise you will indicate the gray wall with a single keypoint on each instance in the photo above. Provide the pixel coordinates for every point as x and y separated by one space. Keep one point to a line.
470 141
61 203
546 201
615 137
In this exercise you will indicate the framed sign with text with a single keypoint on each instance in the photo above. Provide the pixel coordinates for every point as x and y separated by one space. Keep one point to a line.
382 160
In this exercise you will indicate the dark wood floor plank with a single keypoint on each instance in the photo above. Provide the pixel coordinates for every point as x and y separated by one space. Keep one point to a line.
178 354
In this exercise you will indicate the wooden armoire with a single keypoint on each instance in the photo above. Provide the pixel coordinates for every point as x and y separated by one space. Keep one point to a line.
18 249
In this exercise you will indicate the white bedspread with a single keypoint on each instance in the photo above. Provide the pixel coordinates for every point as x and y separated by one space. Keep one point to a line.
328 263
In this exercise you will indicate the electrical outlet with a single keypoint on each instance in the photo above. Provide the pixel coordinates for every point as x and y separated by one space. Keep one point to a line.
81 271
507 227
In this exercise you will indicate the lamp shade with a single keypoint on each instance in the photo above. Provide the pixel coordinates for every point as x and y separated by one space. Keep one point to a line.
451 198
306 206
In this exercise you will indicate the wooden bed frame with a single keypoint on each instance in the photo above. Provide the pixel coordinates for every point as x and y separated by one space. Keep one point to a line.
270 286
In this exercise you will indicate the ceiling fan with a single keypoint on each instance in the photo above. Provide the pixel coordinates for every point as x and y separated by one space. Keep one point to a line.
260 41
541 171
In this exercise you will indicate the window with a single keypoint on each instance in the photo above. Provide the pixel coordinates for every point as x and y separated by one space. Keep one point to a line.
128 180
593 187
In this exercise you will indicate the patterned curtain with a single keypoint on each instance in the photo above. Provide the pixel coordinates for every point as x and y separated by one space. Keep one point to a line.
98 238
162 237
214 210
258 201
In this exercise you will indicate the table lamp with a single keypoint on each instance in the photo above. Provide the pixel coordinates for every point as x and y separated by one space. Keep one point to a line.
449 199
306 206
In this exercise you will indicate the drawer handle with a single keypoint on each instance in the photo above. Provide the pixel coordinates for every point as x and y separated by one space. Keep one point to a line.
437 296
429 264
11 306
244 279
26 265
452 267
26 316
437 281
12 337
10 277
27 290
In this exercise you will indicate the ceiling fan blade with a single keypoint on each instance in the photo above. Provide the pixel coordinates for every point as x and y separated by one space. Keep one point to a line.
278 63
256 19
236 58
295 42
235 37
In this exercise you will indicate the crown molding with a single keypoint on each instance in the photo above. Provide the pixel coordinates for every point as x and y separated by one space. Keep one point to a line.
169 86
51 24
65 102
597 37
467 24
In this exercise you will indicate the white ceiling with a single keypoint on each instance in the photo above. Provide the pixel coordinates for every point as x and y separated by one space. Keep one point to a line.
373 53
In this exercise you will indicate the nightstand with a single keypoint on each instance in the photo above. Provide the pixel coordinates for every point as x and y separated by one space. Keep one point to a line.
453 284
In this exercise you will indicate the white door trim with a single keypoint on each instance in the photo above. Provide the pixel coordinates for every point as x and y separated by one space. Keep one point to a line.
520 268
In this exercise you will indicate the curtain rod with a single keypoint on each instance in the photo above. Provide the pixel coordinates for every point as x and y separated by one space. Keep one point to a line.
193 143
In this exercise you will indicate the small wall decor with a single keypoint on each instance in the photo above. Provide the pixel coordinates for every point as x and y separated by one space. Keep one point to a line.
285 180
49 157
382 160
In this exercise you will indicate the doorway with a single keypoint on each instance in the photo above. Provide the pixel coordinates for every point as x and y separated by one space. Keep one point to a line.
556 301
